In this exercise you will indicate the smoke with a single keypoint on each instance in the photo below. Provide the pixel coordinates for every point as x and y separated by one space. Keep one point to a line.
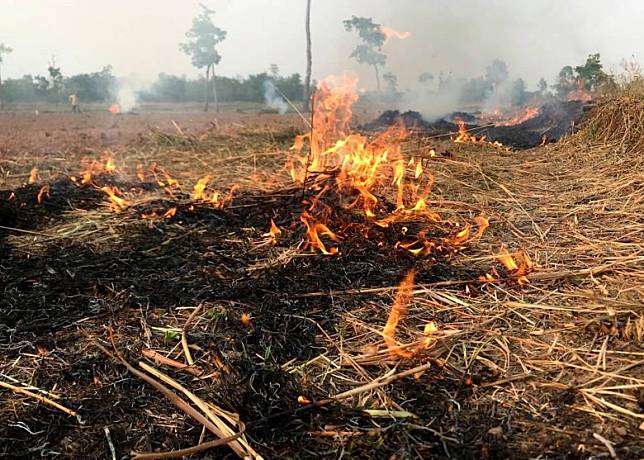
273 100
126 92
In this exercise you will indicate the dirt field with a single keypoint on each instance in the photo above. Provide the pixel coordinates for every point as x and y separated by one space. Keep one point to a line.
550 368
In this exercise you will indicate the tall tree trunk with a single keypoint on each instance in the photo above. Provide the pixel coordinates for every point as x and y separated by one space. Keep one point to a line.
377 77
205 109
214 89
309 58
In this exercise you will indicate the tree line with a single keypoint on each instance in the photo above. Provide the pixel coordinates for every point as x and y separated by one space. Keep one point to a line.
203 38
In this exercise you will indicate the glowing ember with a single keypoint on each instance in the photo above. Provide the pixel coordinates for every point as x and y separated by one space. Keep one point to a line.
116 202
115 108
140 173
12 197
303 400
170 213
390 33
44 191
245 319
33 175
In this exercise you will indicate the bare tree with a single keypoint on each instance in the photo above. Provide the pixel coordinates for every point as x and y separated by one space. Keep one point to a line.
309 58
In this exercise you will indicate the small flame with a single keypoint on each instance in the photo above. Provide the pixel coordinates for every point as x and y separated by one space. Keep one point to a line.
198 192
390 33
303 400
33 175
116 202
12 197
518 264
312 229
527 114
170 213
274 231
110 167
398 312
115 108
482 224
140 173
44 191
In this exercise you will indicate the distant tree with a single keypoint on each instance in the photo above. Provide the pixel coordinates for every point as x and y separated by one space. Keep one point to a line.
203 38
543 86
591 75
309 58
566 81
518 95
369 52
425 78
3 50
55 80
497 73
392 82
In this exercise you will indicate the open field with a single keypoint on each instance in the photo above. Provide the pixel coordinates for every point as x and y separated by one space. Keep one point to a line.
550 368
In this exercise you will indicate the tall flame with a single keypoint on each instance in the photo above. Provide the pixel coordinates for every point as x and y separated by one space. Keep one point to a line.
115 108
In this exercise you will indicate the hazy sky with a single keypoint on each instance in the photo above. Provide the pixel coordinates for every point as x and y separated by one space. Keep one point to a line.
536 38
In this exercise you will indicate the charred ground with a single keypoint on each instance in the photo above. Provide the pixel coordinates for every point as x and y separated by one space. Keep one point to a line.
515 376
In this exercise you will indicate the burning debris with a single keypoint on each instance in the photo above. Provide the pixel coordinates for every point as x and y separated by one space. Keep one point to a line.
526 128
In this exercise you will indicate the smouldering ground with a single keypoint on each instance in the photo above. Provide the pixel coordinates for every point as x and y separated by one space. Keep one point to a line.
552 368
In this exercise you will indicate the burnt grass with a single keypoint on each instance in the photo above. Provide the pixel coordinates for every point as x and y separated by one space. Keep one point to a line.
63 298
62 293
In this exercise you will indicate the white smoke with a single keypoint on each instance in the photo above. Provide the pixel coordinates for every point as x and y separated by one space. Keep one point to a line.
126 92
273 100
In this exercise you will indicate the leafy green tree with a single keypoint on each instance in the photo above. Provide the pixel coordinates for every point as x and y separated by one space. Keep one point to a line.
369 51
591 75
203 38
3 50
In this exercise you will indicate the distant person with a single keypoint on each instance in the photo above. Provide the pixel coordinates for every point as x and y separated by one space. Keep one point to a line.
73 100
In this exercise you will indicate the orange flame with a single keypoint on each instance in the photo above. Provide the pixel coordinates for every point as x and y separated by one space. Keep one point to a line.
525 115
170 213
198 191
398 312
390 33
274 231
44 191
33 175
518 264
115 108
116 202
312 229
464 137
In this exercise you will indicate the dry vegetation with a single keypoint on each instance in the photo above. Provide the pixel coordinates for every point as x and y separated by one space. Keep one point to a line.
100 308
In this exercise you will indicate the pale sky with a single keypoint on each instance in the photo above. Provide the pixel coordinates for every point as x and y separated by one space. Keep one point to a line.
140 37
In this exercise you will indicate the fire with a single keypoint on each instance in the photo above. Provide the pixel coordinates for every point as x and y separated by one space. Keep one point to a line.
115 108
95 167
33 175
170 213
44 191
518 264
198 192
140 172
116 202
464 137
110 167
390 33
398 312
525 115
274 231
313 231
580 93
355 167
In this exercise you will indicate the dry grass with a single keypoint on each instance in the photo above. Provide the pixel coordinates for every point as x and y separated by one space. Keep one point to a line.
551 368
